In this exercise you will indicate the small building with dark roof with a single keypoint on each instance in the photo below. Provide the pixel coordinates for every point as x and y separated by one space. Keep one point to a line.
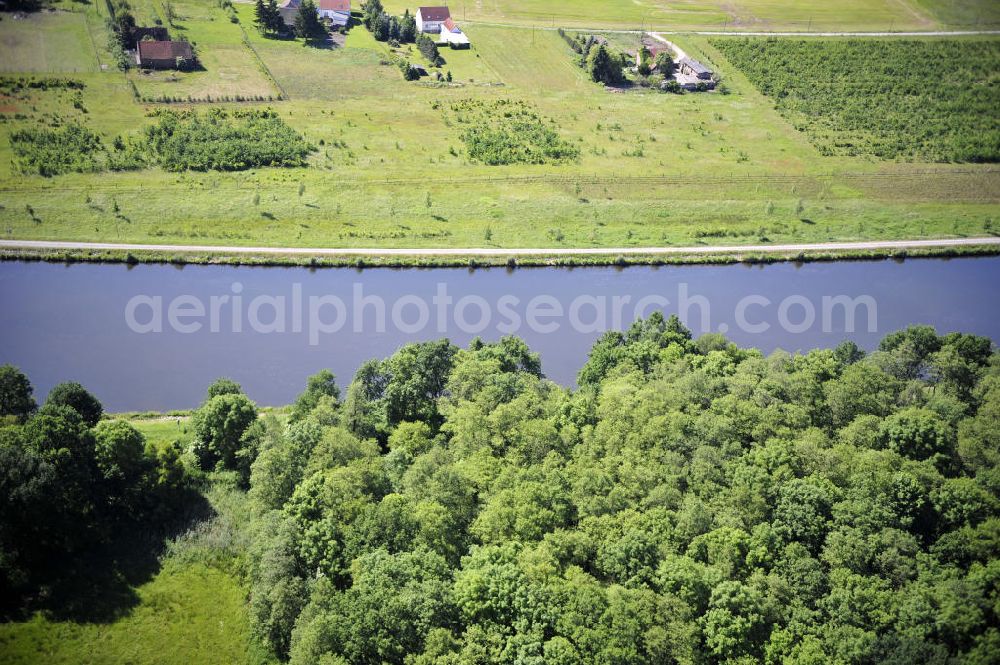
163 54
694 68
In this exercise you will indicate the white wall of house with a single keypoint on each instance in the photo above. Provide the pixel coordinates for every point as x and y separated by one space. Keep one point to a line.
427 26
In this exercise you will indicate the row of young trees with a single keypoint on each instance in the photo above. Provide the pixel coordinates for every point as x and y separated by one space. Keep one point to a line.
875 97
75 489
307 23
691 502
602 63
386 27
267 18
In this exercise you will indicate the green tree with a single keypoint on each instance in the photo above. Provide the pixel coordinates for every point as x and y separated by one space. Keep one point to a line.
15 394
76 397
319 385
224 386
219 426
603 68
307 23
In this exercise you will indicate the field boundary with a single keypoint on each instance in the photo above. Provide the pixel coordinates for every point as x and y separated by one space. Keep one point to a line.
874 245
593 179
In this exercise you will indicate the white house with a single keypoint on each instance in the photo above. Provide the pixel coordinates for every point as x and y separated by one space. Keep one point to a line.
430 19
338 11
452 35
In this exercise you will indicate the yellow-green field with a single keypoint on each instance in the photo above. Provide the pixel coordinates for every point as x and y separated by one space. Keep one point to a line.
696 14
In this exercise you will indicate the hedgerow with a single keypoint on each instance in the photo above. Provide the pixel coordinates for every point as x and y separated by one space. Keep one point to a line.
895 99
224 140
510 131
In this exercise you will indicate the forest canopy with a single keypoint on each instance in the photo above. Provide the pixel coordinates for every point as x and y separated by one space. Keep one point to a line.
691 502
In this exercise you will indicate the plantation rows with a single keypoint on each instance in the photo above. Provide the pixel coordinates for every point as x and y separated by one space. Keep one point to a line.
894 99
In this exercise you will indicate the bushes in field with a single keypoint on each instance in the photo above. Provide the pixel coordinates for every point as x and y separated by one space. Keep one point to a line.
10 85
224 140
909 99
48 152
510 132
180 140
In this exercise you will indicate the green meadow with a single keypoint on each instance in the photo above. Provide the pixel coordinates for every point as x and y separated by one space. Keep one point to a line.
390 168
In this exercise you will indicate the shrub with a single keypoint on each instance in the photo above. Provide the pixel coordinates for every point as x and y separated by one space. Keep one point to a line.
224 141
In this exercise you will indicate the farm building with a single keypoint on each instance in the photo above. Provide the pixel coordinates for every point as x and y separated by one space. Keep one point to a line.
163 55
453 35
430 19
337 11
692 67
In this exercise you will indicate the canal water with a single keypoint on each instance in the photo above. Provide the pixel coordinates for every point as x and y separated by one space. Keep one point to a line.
154 336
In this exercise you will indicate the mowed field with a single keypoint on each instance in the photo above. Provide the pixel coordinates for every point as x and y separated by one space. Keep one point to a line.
390 168
45 42
699 14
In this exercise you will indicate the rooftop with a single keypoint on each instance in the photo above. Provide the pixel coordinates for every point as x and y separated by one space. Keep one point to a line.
164 50
335 5
434 13
695 66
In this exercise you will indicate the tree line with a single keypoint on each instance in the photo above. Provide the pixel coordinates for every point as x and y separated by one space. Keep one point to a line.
79 495
388 28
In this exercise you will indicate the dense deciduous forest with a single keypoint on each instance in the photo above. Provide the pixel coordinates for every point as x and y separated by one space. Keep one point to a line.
690 502
913 99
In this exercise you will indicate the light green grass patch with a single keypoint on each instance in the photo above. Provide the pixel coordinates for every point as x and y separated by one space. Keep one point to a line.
186 614
48 41
982 14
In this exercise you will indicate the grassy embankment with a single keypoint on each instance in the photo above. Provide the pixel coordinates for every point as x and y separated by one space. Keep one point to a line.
391 169
193 610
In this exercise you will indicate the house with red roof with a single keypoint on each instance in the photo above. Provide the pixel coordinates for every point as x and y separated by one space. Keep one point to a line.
337 11
438 21
452 35
151 54
430 19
